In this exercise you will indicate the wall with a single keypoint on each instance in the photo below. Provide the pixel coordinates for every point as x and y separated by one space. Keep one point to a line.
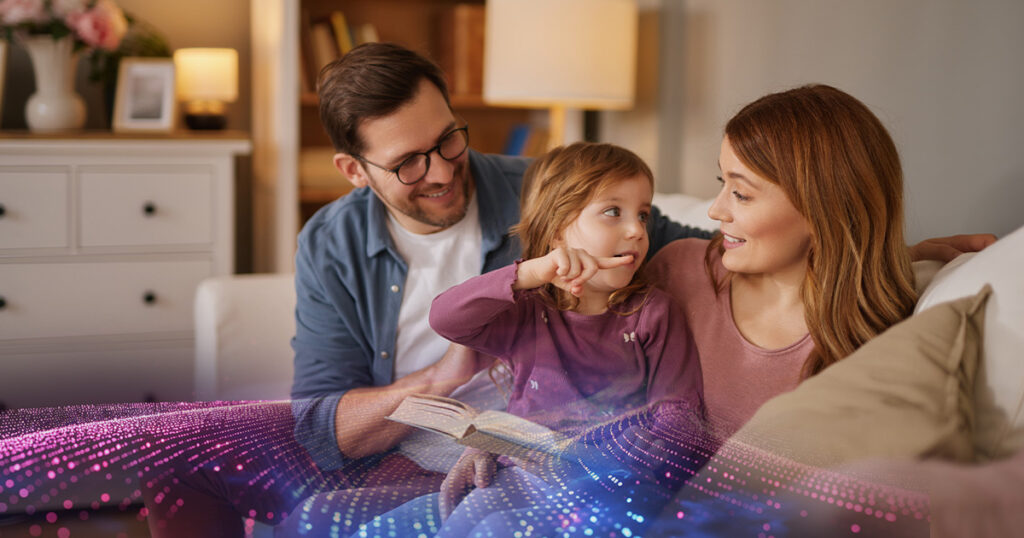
944 75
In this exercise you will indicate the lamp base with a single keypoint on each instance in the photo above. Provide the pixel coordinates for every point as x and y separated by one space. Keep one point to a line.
206 122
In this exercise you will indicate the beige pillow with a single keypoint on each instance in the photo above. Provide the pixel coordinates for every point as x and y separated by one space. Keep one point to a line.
907 393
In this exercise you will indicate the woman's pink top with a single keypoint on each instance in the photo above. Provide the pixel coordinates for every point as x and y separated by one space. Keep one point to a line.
738 376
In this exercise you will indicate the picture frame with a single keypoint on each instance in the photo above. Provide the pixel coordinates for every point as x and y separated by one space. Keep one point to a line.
145 100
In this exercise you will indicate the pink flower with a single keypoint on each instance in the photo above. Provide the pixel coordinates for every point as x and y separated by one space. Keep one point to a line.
22 11
101 26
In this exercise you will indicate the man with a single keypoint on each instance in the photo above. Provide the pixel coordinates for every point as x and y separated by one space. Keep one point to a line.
427 213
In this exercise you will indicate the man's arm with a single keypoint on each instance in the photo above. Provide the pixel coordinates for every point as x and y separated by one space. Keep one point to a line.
359 423
339 412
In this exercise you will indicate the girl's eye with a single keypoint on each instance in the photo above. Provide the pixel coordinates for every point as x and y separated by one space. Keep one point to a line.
740 197
611 212
644 217
720 180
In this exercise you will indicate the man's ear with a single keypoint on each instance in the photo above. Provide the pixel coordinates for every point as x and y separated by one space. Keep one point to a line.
351 168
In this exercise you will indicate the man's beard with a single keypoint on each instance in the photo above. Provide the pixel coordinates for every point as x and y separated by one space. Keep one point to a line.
411 209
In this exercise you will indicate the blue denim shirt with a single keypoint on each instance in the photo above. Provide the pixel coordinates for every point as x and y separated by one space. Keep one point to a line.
349 280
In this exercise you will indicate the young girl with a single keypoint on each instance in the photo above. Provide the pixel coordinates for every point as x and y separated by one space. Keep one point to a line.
586 338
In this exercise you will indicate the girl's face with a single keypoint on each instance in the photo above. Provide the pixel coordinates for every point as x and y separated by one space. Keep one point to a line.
764 233
613 223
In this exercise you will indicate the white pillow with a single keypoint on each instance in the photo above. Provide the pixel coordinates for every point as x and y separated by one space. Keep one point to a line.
999 393
686 209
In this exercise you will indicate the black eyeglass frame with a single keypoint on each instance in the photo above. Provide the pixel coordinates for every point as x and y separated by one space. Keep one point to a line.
425 154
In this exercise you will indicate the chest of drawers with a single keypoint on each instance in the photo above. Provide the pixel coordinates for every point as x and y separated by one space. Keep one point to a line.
102 245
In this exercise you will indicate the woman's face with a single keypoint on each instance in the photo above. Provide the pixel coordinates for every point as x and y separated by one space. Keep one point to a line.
764 233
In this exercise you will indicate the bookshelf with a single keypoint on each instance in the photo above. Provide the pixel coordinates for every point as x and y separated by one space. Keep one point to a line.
290 146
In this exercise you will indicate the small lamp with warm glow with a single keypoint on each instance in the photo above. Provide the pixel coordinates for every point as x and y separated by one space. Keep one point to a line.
206 80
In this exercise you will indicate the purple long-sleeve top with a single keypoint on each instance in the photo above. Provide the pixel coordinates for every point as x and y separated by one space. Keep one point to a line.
572 370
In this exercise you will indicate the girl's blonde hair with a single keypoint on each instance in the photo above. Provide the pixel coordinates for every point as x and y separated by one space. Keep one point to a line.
556 188
839 167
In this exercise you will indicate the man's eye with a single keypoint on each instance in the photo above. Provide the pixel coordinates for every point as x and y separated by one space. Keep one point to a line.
612 212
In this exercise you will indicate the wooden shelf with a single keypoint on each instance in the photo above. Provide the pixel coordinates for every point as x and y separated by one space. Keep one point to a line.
180 134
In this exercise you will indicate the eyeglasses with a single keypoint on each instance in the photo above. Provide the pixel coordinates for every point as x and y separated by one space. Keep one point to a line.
415 167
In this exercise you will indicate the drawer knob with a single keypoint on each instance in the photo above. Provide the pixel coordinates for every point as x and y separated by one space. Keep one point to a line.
3 302
149 209
149 297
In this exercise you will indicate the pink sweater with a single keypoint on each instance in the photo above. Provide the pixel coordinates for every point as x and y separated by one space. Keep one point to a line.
738 376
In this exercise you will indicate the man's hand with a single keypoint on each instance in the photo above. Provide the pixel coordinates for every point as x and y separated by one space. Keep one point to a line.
944 249
456 367
475 468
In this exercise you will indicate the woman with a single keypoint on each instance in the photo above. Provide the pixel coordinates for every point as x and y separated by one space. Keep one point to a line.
810 264
811 260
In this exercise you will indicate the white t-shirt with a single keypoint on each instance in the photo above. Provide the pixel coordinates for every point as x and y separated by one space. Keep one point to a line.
436 262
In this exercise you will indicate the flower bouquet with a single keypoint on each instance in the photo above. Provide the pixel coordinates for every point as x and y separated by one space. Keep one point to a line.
54 32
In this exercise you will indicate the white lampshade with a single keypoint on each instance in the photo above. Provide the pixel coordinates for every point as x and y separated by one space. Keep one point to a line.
566 53
206 74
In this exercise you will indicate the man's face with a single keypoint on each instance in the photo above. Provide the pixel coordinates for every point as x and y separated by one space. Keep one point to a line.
439 200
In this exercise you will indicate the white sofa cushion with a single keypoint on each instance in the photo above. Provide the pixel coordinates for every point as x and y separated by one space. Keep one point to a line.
244 325
999 393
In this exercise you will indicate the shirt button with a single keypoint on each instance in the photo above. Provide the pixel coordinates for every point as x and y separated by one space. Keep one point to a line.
394 288
383 354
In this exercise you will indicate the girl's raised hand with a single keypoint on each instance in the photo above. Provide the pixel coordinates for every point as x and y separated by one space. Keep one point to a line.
567 268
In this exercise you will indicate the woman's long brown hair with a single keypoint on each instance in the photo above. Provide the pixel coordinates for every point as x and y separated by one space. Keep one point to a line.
839 167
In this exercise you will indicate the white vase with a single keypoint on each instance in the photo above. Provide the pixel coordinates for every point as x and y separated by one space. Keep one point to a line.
54 106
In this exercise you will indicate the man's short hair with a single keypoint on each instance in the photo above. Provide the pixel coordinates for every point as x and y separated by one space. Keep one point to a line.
371 81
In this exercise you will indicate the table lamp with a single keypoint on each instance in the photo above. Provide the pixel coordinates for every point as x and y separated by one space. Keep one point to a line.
207 78
560 53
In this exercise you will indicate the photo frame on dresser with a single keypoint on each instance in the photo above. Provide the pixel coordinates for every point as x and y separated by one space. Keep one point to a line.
145 95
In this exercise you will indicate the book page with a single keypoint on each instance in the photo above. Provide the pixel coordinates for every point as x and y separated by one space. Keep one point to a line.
435 413
520 431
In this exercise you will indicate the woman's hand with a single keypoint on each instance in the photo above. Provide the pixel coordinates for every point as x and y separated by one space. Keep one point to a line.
567 268
944 249
475 468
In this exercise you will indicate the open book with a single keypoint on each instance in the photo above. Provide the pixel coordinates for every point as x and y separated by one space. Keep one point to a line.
497 432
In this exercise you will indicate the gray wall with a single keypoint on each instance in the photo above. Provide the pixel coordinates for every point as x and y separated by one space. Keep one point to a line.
946 77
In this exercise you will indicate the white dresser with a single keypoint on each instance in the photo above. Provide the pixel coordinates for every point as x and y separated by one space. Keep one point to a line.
103 241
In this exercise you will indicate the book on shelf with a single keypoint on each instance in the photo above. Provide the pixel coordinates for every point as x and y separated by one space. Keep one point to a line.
366 33
461 48
325 50
497 432
307 62
342 34
526 140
